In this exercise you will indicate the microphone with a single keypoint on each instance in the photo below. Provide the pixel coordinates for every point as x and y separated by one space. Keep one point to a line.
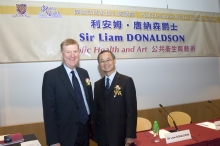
213 104
174 123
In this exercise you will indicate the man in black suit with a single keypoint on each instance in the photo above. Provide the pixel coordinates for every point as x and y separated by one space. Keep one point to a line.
115 105
67 100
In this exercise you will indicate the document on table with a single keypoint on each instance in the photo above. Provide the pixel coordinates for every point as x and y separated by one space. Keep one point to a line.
162 133
207 125
2 137
31 143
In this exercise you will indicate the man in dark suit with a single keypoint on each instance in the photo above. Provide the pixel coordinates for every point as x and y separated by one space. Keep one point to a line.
115 105
67 100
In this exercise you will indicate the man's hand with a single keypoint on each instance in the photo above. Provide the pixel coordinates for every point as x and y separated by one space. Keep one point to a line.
57 144
129 141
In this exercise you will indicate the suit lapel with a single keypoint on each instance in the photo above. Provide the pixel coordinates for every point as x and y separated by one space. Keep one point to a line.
66 80
115 81
102 86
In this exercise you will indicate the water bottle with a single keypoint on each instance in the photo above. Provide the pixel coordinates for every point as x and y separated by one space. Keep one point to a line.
156 132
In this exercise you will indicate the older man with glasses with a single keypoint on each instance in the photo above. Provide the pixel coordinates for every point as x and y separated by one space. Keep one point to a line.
115 105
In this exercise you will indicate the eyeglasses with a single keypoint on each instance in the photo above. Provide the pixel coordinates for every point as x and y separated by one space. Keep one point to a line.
105 61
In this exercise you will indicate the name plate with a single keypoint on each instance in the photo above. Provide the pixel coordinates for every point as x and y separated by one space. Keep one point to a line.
217 125
177 136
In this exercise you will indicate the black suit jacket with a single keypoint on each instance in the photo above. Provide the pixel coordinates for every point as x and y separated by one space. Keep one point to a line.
60 108
115 117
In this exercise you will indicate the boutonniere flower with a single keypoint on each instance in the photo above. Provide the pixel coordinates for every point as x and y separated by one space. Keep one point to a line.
117 90
88 83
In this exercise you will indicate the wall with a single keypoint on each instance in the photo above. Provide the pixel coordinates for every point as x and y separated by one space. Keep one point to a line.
167 81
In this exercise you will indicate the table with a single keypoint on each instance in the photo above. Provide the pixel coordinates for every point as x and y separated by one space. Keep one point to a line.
201 136
26 138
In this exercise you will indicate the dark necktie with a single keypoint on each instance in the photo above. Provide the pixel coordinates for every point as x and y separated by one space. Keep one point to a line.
83 116
107 85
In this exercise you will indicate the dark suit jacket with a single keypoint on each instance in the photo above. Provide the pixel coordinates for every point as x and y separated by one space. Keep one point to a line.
115 117
60 107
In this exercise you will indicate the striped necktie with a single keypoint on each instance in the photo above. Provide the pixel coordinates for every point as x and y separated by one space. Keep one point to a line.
107 85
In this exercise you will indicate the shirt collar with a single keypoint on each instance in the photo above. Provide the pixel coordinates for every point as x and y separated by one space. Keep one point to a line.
111 77
68 70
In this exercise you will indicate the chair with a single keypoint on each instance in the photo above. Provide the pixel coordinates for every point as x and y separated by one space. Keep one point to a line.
180 118
143 124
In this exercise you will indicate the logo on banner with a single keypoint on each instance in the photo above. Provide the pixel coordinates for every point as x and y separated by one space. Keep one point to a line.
21 11
49 12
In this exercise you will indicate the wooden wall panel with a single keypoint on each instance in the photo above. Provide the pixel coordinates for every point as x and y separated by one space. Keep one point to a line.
199 111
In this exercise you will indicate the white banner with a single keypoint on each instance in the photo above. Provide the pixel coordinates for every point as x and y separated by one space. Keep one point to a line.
33 31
